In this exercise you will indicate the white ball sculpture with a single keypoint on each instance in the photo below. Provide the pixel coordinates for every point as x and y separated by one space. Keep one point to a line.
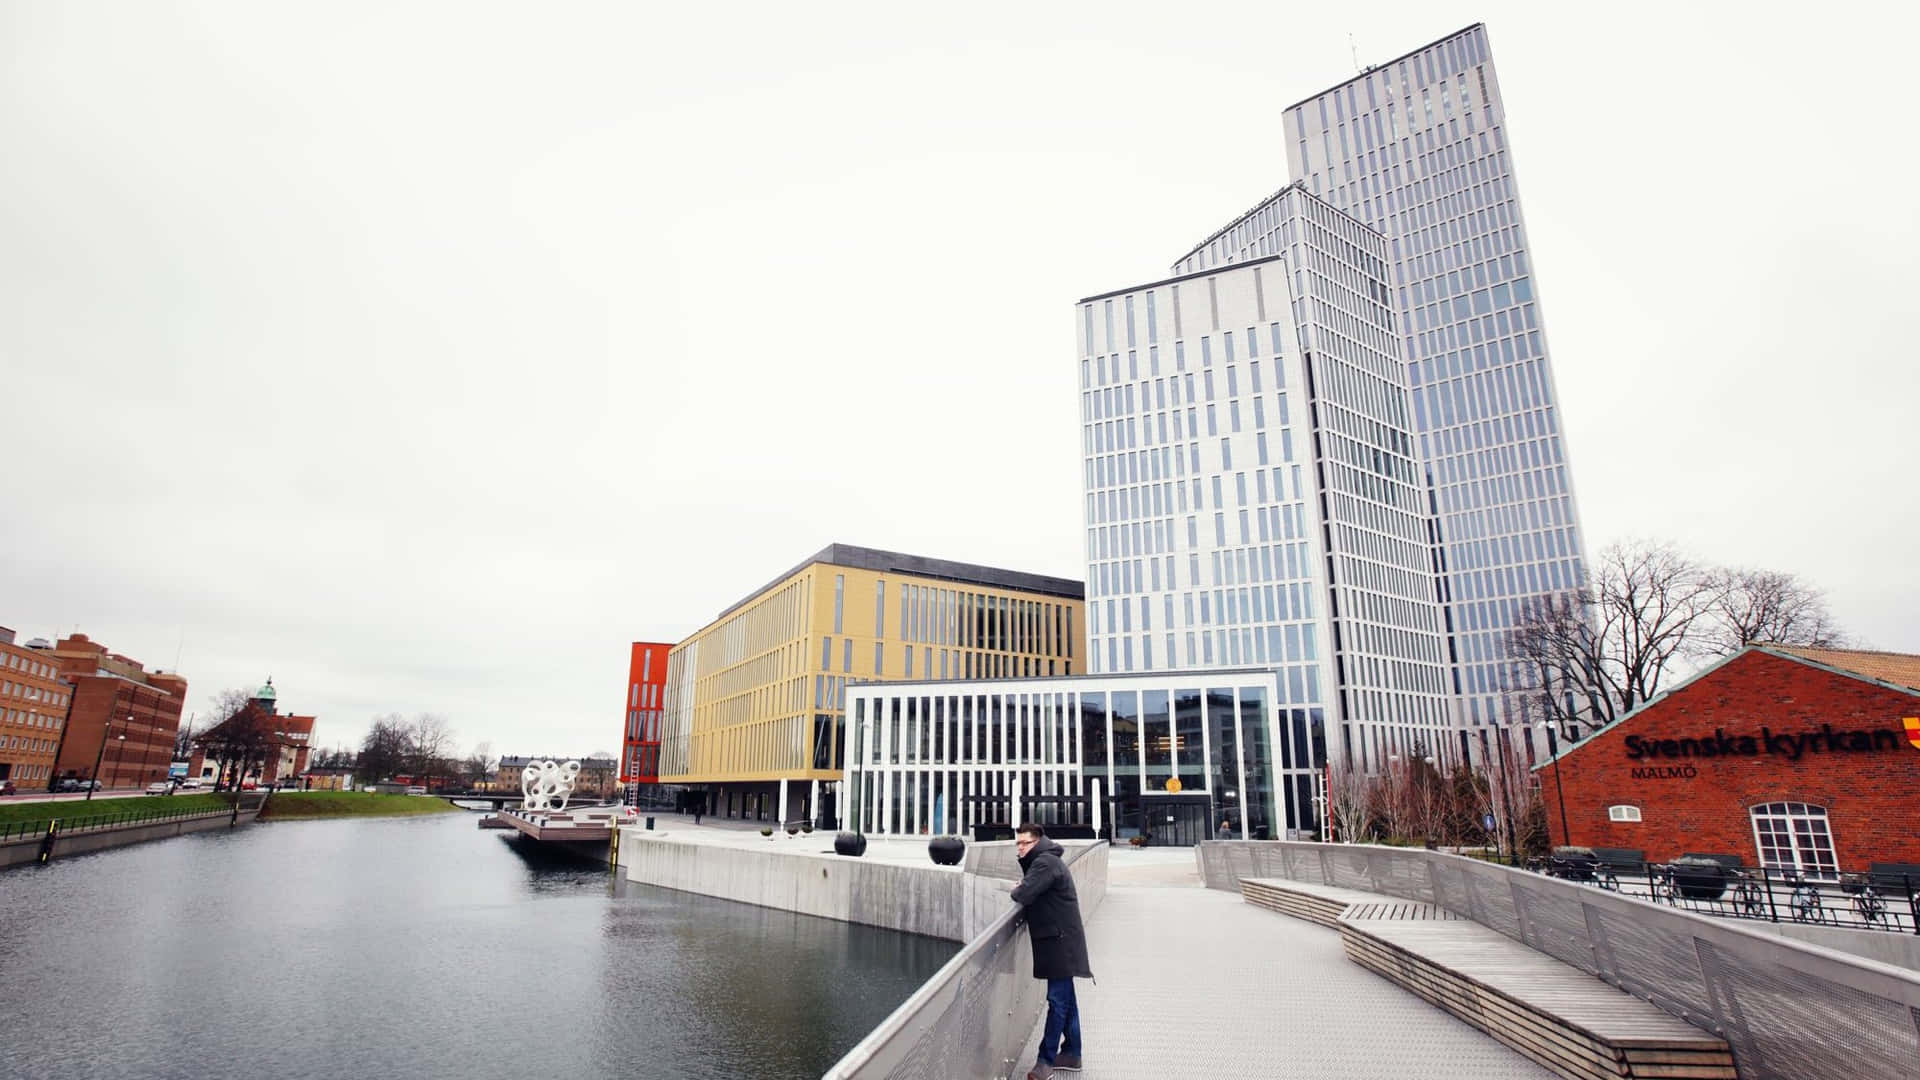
548 784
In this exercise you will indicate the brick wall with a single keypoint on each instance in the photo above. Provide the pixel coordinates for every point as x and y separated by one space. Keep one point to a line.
1872 796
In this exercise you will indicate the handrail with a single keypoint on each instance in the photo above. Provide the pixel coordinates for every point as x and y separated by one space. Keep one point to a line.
935 1025
1870 900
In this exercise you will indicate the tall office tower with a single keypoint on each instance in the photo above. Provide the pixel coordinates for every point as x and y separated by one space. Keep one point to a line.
1253 497
1417 148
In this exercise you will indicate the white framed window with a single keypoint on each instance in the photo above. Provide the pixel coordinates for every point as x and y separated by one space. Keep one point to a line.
1794 836
1623 813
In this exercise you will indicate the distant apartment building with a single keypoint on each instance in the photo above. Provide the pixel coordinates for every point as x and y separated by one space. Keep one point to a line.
123 719
33 712
1417 149
755 700
1254 497
595 780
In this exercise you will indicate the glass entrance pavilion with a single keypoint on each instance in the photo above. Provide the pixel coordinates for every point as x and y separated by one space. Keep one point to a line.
1165 755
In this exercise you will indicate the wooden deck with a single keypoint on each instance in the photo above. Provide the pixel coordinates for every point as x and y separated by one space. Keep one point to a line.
1323 904
1562 1018
561 828
1555 1014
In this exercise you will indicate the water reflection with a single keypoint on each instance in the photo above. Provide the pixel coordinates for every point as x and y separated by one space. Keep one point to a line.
417 948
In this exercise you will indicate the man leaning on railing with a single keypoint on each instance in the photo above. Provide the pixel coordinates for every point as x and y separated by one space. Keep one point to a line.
1059 946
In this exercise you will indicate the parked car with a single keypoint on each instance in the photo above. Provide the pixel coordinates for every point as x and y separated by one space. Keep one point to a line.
6 787
160 787
416 791
191 784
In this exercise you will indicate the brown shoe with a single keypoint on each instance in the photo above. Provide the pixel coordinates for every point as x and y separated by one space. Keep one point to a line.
1040 1071
1067 1063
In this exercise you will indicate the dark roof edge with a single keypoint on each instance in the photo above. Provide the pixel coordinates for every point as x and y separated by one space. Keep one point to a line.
1183 277
1122 676
860 558
1249 212
1371 68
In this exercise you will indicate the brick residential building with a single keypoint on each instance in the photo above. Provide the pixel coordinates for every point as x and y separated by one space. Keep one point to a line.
1790 757
290 741
123 717
33 713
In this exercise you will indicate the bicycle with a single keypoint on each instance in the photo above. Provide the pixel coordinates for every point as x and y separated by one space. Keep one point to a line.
1806 904
1866 901
1749 898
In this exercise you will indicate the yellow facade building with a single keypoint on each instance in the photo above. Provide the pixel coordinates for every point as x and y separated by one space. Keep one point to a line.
755 699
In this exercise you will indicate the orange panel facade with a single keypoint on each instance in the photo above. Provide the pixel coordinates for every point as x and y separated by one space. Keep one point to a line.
646 689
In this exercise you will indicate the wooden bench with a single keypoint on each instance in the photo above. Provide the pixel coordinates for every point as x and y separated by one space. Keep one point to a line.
1553 1013
1321 904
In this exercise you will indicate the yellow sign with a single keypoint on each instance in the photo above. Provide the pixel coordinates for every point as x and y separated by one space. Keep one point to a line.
1912 724
1173 785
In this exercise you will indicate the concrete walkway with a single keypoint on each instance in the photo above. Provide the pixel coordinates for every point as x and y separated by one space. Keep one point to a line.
1196 982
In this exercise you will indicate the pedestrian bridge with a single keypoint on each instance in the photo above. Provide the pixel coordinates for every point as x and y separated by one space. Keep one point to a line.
1403 964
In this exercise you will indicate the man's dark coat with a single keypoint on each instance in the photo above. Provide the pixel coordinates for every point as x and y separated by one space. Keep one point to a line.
1053 914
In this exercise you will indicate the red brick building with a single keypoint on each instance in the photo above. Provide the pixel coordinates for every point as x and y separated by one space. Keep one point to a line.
123 716
1784 756
289 740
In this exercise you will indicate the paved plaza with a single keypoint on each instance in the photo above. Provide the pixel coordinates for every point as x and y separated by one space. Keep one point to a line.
1196 982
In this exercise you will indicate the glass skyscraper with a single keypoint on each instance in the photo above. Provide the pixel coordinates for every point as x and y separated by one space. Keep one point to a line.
1417 148
1253 492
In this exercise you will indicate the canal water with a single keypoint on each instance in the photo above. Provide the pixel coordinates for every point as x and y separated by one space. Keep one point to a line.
418 948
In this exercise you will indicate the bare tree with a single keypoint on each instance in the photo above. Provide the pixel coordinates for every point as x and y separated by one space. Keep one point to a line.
239 739
1768 605
430 741
1600 652
479 765
1592 655
384 750
1350 804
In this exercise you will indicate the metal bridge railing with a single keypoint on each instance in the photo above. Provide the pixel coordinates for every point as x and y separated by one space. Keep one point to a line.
1866 900
79 823
974 1016
1791 1011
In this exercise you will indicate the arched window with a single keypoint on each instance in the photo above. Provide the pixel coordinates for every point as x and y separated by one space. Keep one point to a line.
1794 836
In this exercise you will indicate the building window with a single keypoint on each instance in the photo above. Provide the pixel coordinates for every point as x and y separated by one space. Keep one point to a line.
1794 836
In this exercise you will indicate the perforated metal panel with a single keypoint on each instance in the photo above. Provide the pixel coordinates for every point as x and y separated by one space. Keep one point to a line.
1790 1012
973 1017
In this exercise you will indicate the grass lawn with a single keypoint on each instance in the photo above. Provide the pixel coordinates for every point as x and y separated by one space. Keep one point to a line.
74 809
296 805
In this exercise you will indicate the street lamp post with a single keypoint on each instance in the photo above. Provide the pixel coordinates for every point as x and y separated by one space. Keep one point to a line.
94 780
1553 747
1506 797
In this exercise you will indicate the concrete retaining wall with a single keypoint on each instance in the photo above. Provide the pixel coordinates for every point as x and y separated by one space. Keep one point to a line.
1900 950
21 850
938 901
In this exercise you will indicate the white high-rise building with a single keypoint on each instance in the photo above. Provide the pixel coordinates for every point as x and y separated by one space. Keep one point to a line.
1417 148
1253 492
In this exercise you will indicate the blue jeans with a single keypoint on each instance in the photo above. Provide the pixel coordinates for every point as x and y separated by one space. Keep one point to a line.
1062 1033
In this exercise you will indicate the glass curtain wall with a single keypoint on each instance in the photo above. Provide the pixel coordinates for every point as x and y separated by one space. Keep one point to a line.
933 759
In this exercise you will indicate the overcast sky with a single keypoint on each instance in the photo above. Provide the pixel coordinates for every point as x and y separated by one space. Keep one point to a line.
422 356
